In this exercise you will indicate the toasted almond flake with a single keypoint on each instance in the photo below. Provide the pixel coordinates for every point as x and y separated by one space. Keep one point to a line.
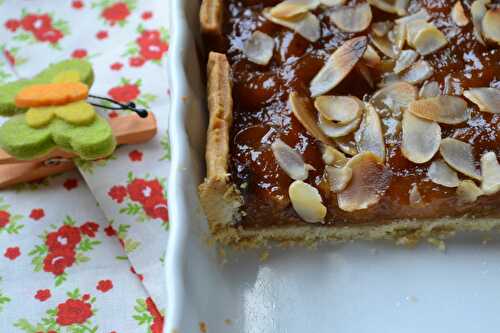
420 15
340 63
491 25
259 48
421 138
370 179
478 11
414 196
418 72
289 160
397 36
395 96
386 66
334 157
337 130
459 156
331 3
405 60
352 19
487 99
370 136
338 178
440 173
343 109
371 57
365 73
347 145
292 8
306 25
468 191
413 28
391 6
303 110
490 170
429 89
429 40
458 14
450 110
307 202
384 45
381 28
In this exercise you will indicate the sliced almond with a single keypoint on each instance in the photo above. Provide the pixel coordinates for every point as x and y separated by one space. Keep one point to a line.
371 57
468 191
382 28
370 136
458 14
421 138
422 14
394 96
307 202
334 157
490 170
418 72
450 110
397 36
307 25
391 6
414 196
365 73
289 160
487 99
478 11
343 109
331 3
292 8
384 45
352 19
440 173
303 110
347 145
459 156
338 178
405 59
429 89
340 63
413 28
491 25
259 48
337 130
370 179
429 40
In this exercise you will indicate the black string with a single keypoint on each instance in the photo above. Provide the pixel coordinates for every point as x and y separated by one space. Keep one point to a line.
143 113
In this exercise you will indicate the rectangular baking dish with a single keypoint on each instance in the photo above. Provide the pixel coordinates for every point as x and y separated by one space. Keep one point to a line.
356 287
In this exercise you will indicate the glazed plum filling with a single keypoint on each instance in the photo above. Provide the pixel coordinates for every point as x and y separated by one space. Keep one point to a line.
353 113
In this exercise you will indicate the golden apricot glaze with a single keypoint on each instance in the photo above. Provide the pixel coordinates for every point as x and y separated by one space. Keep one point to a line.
261 115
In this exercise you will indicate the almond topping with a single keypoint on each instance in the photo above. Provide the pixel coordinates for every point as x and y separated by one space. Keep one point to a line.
347 145
343 109
289 160
370 179
307 202
370 136
307 25
418 72
259 48
468 191
414 196
405 59
421 138
429 40
331 3
332 156
458 14
459 156
337 130
440 173
478 11
384 45
366 73
491 25
450 110
413 28
292 8
340 63
371 57
338 178
352 19
491 173
487 99
420 15
391 6
381 28
429 89
395 96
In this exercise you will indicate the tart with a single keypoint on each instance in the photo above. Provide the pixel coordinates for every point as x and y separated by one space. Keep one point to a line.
341 120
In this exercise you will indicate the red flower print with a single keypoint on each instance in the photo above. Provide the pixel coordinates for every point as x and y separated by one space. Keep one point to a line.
67 237
139 276
152 47
103 34
110 231
77 4
156 208
104 285
115 13
12 25
73 311
48 35
135 156
37 213
89 229
79 53
125 93
12 253
10 57
34 23
116 66
138 189
118 193
70 184
57 261
42 295
157 326
147 15
136 61
4 218
86 297
113 114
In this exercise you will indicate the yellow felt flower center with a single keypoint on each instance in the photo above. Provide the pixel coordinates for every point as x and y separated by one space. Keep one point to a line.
78 113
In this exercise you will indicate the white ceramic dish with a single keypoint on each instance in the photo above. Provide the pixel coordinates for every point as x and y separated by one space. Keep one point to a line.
360 287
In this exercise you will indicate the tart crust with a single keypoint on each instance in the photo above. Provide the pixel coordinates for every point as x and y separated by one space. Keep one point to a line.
211 14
